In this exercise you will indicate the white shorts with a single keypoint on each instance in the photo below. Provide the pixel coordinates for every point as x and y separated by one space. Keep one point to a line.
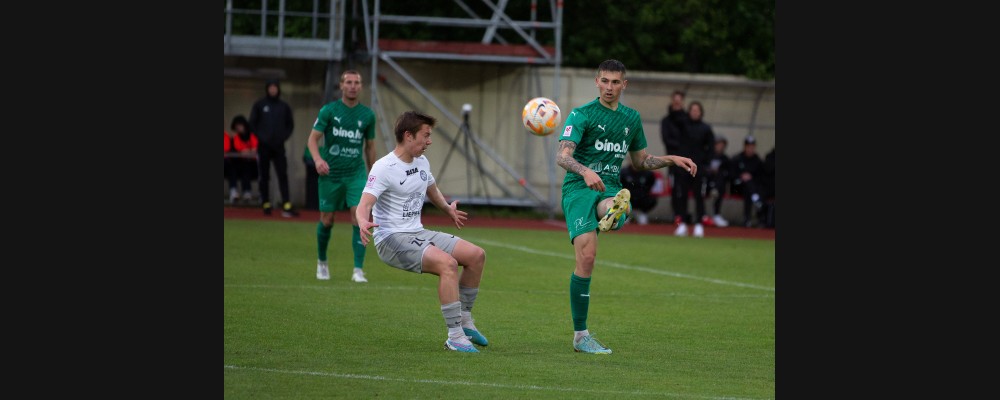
405 250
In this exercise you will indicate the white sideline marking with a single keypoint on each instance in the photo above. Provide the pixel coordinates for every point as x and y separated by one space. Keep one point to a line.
542 292
622 266
465 383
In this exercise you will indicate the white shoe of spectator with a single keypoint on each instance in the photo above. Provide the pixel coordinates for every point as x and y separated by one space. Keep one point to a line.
699 231
233 195
720 222
642 218
682 230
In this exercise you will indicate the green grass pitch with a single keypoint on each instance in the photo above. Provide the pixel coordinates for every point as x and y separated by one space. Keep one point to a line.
686 318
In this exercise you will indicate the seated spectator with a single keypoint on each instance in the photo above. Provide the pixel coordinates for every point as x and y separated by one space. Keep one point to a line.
240 159
717 178
228 170
747 170
640 183
767 191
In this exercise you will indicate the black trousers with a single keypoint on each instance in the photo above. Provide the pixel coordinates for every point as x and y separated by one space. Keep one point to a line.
240 171
718 183
752 199
267 155
684 183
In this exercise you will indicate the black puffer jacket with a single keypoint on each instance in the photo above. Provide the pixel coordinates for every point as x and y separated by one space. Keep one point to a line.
271 118
697 141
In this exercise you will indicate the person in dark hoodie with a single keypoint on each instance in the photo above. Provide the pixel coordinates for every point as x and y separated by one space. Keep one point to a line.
670 132
696 142
271 120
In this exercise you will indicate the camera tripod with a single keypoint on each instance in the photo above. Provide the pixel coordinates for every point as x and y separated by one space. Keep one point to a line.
466 132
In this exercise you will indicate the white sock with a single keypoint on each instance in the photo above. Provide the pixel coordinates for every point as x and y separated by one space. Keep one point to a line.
456 332
357 270
579 334
467 321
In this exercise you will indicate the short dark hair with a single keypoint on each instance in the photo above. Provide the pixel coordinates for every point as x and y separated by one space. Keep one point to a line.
611 65
678 92
350 72
239 120
410 121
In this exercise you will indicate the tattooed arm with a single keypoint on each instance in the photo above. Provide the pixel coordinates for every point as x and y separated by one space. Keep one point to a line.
645 161
564 159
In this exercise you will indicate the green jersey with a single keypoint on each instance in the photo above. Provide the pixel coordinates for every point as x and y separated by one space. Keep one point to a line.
603 139
345 130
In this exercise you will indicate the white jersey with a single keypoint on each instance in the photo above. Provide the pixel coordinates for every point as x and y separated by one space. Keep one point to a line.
399 189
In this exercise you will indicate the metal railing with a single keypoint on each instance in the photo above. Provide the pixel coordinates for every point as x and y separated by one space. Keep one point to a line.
275 31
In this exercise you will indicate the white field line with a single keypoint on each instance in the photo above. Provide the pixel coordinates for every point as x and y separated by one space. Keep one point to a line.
620 265
375 286
467 383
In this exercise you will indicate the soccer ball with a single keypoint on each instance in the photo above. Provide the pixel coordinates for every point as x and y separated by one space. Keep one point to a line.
541 116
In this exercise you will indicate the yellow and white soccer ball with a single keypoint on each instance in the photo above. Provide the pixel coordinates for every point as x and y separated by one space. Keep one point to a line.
541 116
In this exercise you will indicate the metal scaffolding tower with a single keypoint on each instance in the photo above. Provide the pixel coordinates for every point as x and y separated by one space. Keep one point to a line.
531 53
317 33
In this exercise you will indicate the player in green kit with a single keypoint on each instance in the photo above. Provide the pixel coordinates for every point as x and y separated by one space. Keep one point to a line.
595 140
347 129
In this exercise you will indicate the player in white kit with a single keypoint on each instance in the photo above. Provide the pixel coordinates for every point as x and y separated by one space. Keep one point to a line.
394 197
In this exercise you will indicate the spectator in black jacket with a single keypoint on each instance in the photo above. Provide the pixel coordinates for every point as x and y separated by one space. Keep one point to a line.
271 119
767 191
717 178
672 123
747 171
696 142
670 133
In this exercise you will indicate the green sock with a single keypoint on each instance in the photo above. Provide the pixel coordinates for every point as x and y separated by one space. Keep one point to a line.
579 301
323 239
359 249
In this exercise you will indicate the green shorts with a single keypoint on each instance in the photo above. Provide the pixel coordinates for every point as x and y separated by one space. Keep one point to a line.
336 194
580 208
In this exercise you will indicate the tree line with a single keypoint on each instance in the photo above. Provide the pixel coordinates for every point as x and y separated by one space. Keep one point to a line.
733 37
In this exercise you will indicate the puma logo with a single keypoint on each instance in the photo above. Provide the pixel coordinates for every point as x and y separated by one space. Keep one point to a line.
337 118
602 128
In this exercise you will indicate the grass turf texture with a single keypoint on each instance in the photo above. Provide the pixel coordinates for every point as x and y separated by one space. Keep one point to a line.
686 318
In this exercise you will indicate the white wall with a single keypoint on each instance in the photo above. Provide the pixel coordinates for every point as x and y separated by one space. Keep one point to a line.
497 93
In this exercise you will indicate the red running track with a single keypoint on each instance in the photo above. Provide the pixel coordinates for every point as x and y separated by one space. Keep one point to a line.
479 220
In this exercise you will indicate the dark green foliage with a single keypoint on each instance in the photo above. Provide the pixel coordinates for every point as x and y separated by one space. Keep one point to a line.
694 36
